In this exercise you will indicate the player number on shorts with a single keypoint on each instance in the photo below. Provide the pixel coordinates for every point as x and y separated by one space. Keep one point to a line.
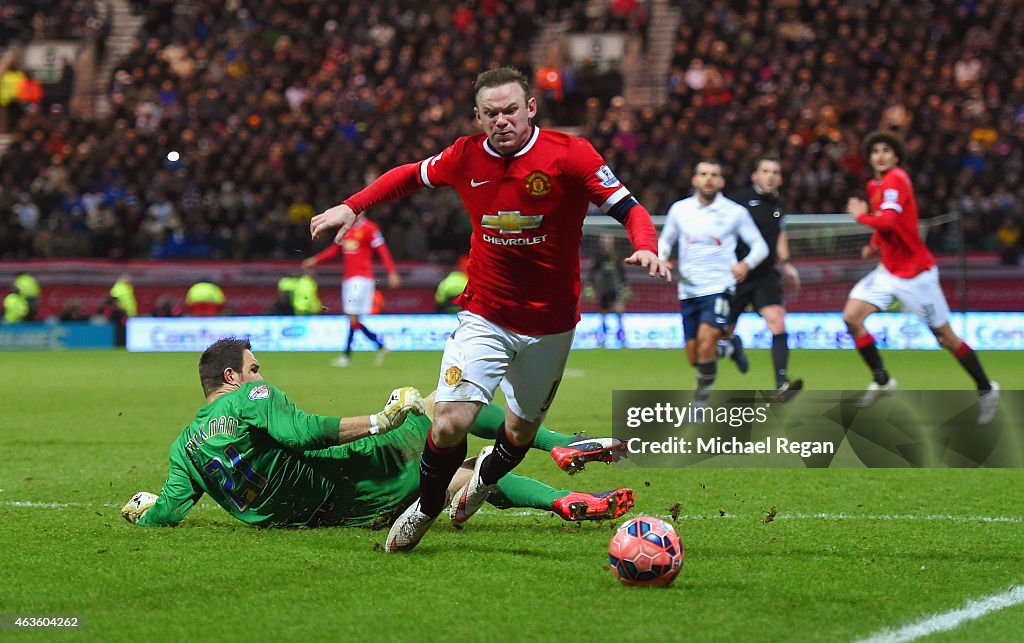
721 307
929 313
241 483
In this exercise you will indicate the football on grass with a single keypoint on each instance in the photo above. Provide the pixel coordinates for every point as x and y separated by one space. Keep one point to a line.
645 552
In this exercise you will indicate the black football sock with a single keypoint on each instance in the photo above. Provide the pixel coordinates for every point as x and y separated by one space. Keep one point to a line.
351 337
503 459
437 468
371 336
780 357
969 360
869 353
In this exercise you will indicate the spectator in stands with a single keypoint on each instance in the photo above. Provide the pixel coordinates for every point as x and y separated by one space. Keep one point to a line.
771 77
1008 235
10 103
165 307
73 311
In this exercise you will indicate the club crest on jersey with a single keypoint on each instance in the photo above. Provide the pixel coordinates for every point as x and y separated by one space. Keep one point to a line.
538 184
608 180
453 375
261 392
511 221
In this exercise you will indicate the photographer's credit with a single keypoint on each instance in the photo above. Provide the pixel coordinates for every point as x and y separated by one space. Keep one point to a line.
731 446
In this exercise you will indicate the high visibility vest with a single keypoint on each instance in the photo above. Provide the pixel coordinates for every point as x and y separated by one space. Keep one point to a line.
27 285
124 294
15 308
9 84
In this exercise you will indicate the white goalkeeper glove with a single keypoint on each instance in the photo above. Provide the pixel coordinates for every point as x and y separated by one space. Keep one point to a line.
401 403
138 506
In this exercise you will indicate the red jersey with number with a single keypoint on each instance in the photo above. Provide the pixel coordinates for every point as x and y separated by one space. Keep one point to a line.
527 212
892 212
358 246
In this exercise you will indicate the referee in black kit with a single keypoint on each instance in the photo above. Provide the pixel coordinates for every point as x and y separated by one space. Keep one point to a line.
762 289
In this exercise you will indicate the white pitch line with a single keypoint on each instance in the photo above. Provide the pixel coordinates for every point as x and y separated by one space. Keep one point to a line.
952 619
902 517
45 505
800 516
1016 520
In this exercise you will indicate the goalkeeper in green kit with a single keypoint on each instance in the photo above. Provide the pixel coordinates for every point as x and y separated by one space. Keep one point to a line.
270 464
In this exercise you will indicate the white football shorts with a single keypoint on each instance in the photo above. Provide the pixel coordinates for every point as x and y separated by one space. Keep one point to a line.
921 294
480 355
357 295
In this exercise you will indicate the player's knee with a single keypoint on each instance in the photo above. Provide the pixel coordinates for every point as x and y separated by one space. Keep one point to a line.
853 323
775 319
449 429
706 348
446 435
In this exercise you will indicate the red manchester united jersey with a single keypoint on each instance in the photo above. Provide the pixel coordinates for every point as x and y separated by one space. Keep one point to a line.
358 246
893 214
527 212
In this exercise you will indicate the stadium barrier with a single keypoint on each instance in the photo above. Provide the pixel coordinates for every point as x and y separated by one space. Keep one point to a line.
815 331
56 336
251 287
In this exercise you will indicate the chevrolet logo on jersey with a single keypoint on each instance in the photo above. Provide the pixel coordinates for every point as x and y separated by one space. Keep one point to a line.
511 221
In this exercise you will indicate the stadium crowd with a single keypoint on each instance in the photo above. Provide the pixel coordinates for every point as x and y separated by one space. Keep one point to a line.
52 19
232 123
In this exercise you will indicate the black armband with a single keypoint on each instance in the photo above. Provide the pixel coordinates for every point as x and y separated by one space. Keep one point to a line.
622 208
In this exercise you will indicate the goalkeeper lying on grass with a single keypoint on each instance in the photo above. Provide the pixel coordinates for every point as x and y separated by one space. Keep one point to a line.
268 463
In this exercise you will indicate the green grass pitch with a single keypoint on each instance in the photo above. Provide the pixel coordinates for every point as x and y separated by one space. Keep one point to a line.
849 553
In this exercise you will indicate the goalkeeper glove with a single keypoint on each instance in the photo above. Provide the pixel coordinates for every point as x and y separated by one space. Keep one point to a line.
401 402
138 506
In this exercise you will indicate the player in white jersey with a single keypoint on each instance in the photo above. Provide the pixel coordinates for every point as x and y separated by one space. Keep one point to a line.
704 229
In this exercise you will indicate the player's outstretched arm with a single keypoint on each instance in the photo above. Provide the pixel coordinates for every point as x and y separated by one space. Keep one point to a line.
340 218
400 404
655 266
176 499
393 184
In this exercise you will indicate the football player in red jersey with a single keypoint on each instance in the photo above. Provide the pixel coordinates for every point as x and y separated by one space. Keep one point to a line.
907 272
357 284
526 191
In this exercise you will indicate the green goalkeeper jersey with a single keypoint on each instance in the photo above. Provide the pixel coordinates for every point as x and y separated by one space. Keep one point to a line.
264 461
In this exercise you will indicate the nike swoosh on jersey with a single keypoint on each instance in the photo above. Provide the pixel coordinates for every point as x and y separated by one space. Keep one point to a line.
473 183
753 203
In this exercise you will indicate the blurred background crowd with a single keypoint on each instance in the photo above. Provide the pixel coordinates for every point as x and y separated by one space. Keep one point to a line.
228 124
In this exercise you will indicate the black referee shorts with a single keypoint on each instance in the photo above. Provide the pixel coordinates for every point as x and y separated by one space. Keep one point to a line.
757 292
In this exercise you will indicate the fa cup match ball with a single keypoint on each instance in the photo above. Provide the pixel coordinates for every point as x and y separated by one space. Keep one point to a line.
645 552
